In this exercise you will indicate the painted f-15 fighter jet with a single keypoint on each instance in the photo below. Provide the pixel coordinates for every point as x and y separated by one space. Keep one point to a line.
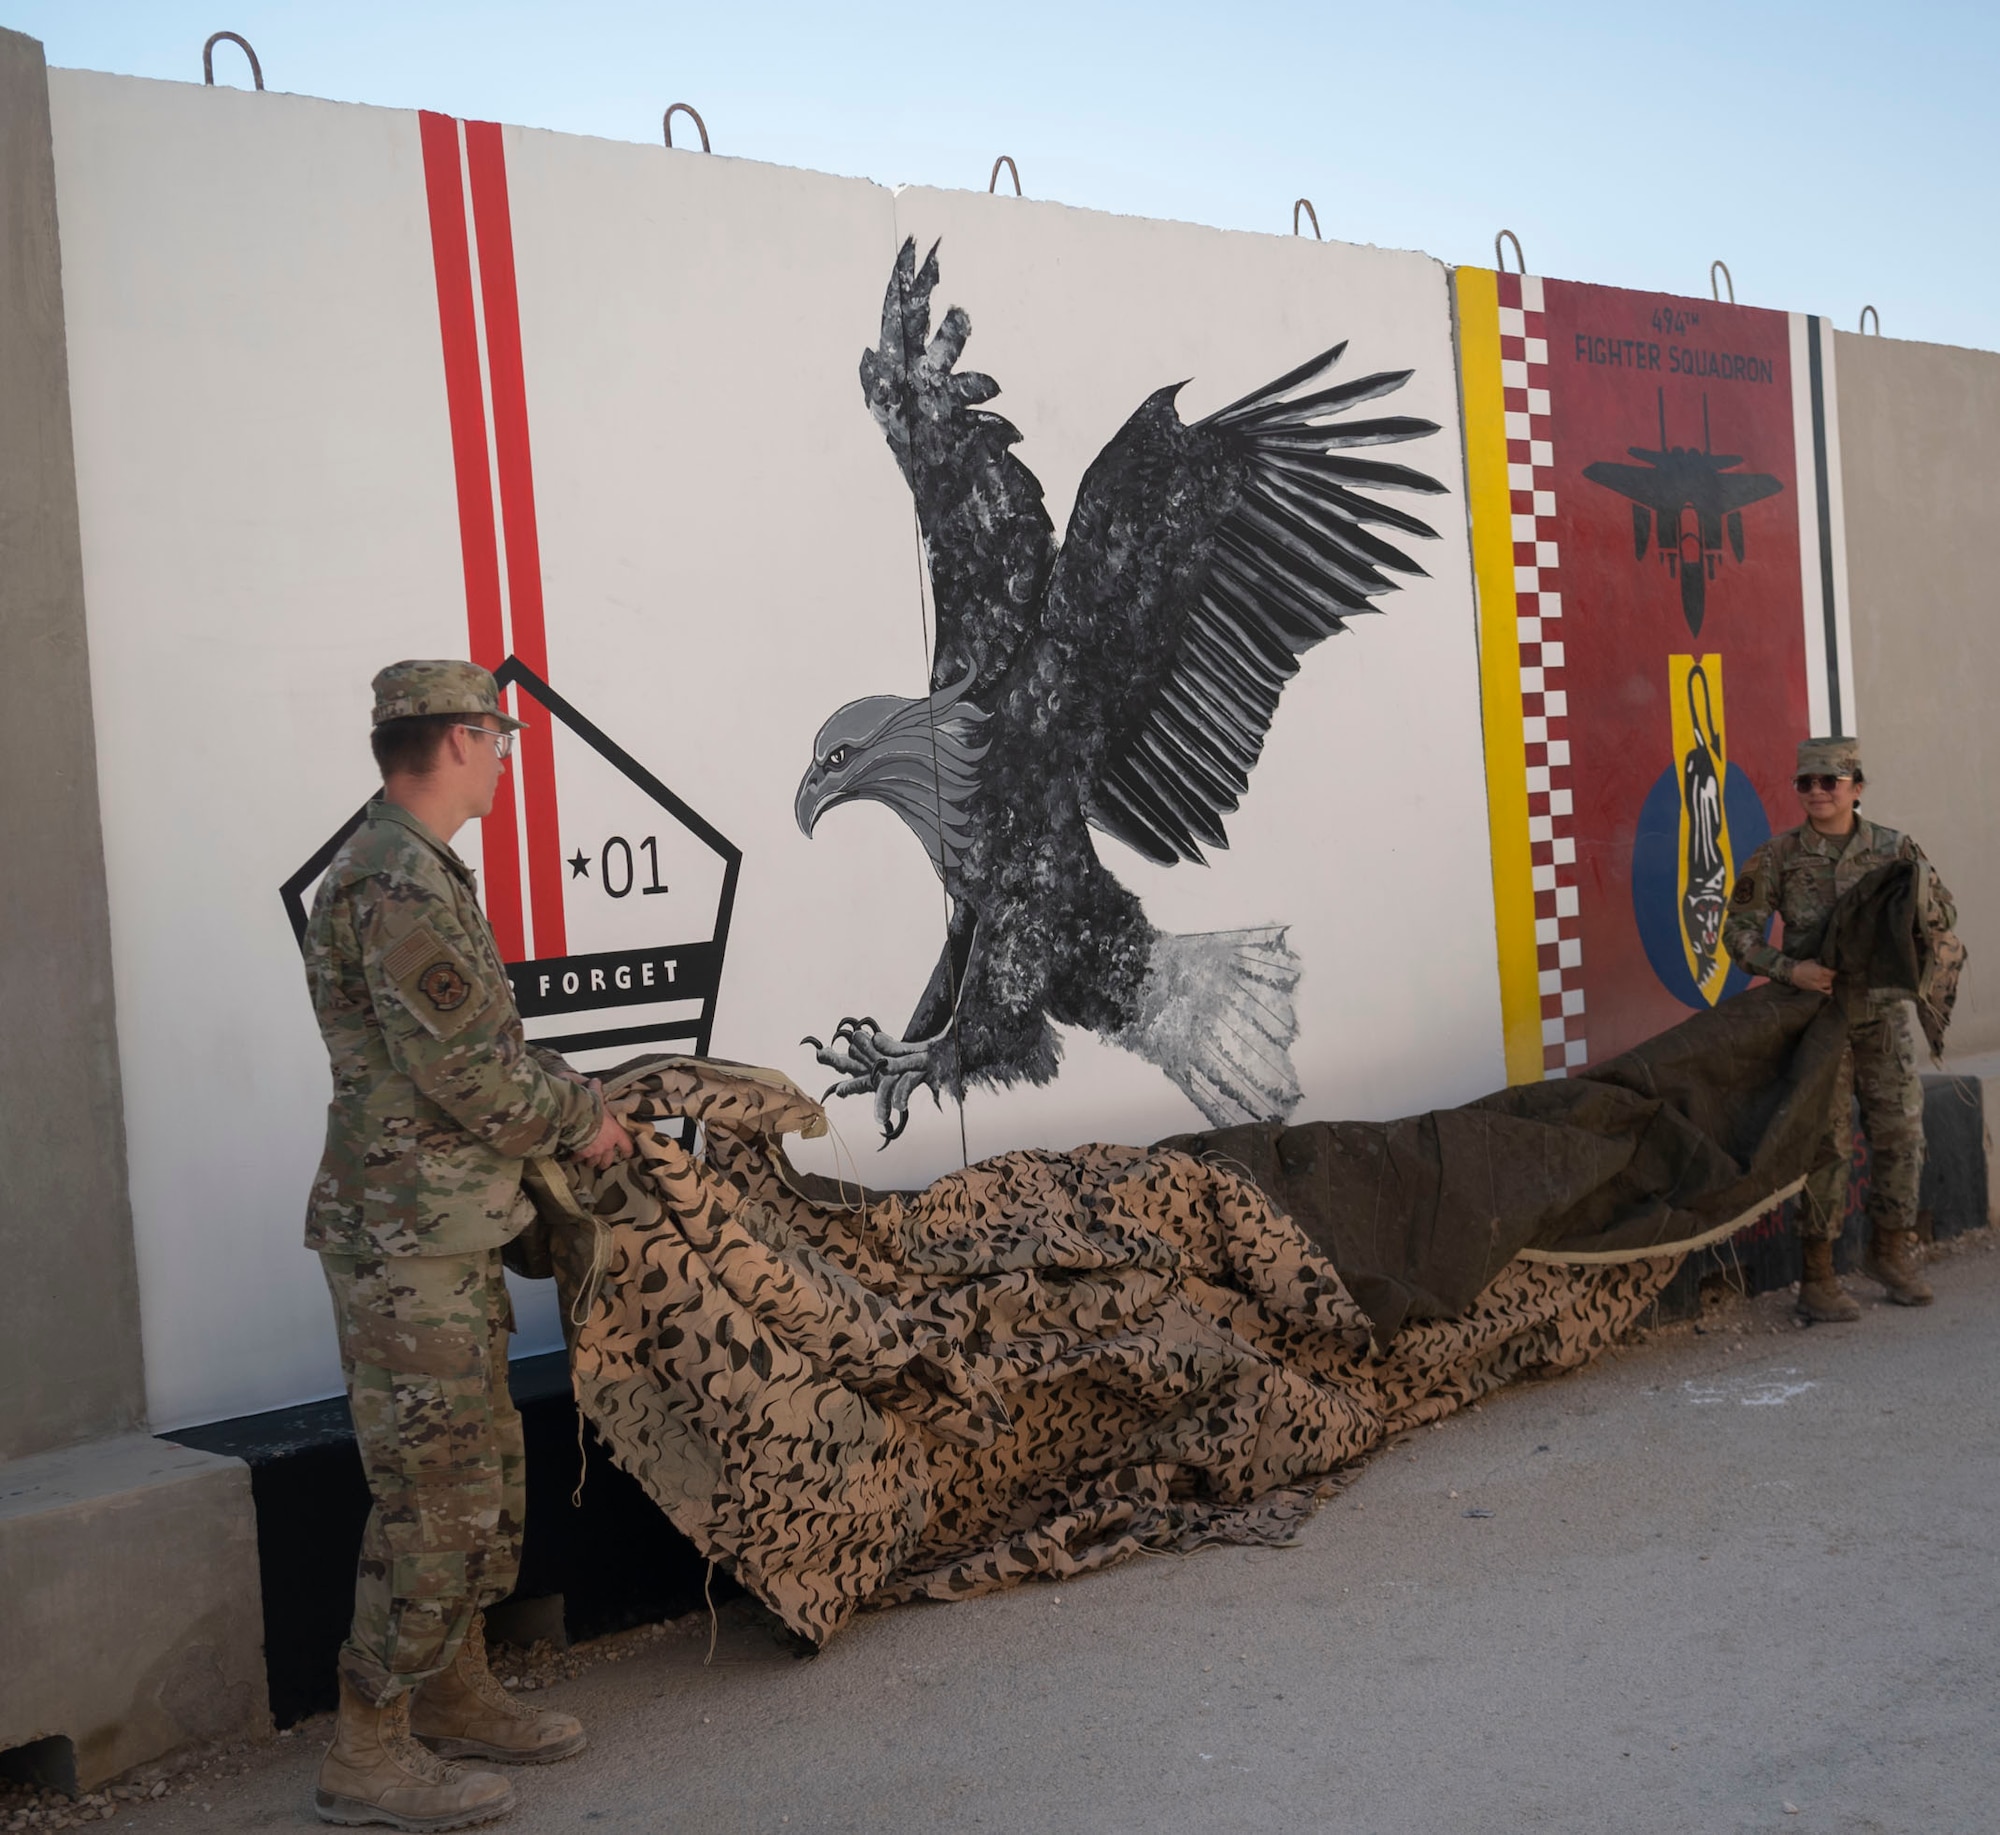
1683 501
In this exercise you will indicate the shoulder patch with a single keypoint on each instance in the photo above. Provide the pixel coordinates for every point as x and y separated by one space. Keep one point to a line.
1746 890
444 987
441 989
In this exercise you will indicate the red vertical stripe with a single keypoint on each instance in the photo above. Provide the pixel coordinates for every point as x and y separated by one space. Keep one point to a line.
465 401
486 158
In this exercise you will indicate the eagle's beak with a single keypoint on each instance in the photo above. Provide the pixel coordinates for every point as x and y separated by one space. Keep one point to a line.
806 805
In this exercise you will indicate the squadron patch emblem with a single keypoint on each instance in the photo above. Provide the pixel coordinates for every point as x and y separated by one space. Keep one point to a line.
443 986
1746 891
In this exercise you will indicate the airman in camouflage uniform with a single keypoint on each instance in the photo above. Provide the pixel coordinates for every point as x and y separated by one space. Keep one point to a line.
437 1100
1798 875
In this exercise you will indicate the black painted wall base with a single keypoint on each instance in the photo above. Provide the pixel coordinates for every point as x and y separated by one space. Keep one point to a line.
611 1558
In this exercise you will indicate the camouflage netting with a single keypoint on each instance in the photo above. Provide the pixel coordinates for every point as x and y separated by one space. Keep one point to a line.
1036 1367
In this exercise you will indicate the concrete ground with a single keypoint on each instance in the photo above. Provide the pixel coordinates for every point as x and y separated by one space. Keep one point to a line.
1738 1579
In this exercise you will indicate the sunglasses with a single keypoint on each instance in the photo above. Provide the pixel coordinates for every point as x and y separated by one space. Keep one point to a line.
1810 781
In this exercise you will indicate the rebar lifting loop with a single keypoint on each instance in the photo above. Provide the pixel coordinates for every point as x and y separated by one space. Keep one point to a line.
1306 204
1722 268
1500 260
1014 171
693 114
1862 324
235 38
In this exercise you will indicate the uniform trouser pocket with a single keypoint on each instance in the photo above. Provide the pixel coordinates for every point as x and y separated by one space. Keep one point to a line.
423 1346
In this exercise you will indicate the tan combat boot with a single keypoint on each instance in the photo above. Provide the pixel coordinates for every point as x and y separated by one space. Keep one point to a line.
374 1772
464 1713
1821 1296
1892 1260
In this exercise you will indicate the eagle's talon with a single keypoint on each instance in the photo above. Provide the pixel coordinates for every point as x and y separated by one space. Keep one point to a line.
871 1061
892 1101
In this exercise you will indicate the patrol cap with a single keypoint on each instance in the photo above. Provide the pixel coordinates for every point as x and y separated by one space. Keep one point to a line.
445 687
1830 757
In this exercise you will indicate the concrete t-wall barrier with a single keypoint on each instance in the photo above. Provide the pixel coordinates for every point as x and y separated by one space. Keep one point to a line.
129 1609
275 321
1920 458
70 1361
274 406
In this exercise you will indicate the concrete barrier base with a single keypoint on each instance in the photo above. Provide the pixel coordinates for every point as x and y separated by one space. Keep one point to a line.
129 1593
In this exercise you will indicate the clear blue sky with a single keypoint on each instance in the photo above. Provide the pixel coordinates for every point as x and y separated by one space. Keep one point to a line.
1833 154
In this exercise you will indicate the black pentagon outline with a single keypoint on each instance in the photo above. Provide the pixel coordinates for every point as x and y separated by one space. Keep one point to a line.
515 673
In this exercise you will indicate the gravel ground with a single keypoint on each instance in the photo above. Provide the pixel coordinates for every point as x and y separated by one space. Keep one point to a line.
1737 1576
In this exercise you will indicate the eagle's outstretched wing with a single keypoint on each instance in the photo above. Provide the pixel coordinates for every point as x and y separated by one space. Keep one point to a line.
986 531
1200 563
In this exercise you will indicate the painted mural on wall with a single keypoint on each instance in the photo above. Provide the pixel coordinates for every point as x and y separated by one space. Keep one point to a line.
609 897
1123 679
586 413
1669 635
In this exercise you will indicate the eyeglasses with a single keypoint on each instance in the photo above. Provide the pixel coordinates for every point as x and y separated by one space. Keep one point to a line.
1802 784
503 743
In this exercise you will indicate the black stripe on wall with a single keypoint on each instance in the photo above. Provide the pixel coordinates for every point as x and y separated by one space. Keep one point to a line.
1822 495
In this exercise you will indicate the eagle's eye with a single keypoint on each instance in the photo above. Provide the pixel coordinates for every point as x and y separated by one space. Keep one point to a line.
836 758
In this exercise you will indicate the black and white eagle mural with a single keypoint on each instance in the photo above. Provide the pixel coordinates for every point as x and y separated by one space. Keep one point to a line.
1124 680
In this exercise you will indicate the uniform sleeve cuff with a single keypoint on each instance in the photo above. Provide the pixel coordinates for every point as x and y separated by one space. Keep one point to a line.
581 1132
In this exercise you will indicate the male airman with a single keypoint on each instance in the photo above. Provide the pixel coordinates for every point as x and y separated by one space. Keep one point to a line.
437 1100
1798 875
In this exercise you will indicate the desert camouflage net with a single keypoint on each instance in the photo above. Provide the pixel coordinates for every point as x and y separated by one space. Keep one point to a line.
1036 1367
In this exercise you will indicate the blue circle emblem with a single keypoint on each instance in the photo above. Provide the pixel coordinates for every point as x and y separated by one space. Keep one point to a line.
1656 850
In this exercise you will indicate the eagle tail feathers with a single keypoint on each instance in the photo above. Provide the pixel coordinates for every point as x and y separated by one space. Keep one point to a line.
1216 1015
